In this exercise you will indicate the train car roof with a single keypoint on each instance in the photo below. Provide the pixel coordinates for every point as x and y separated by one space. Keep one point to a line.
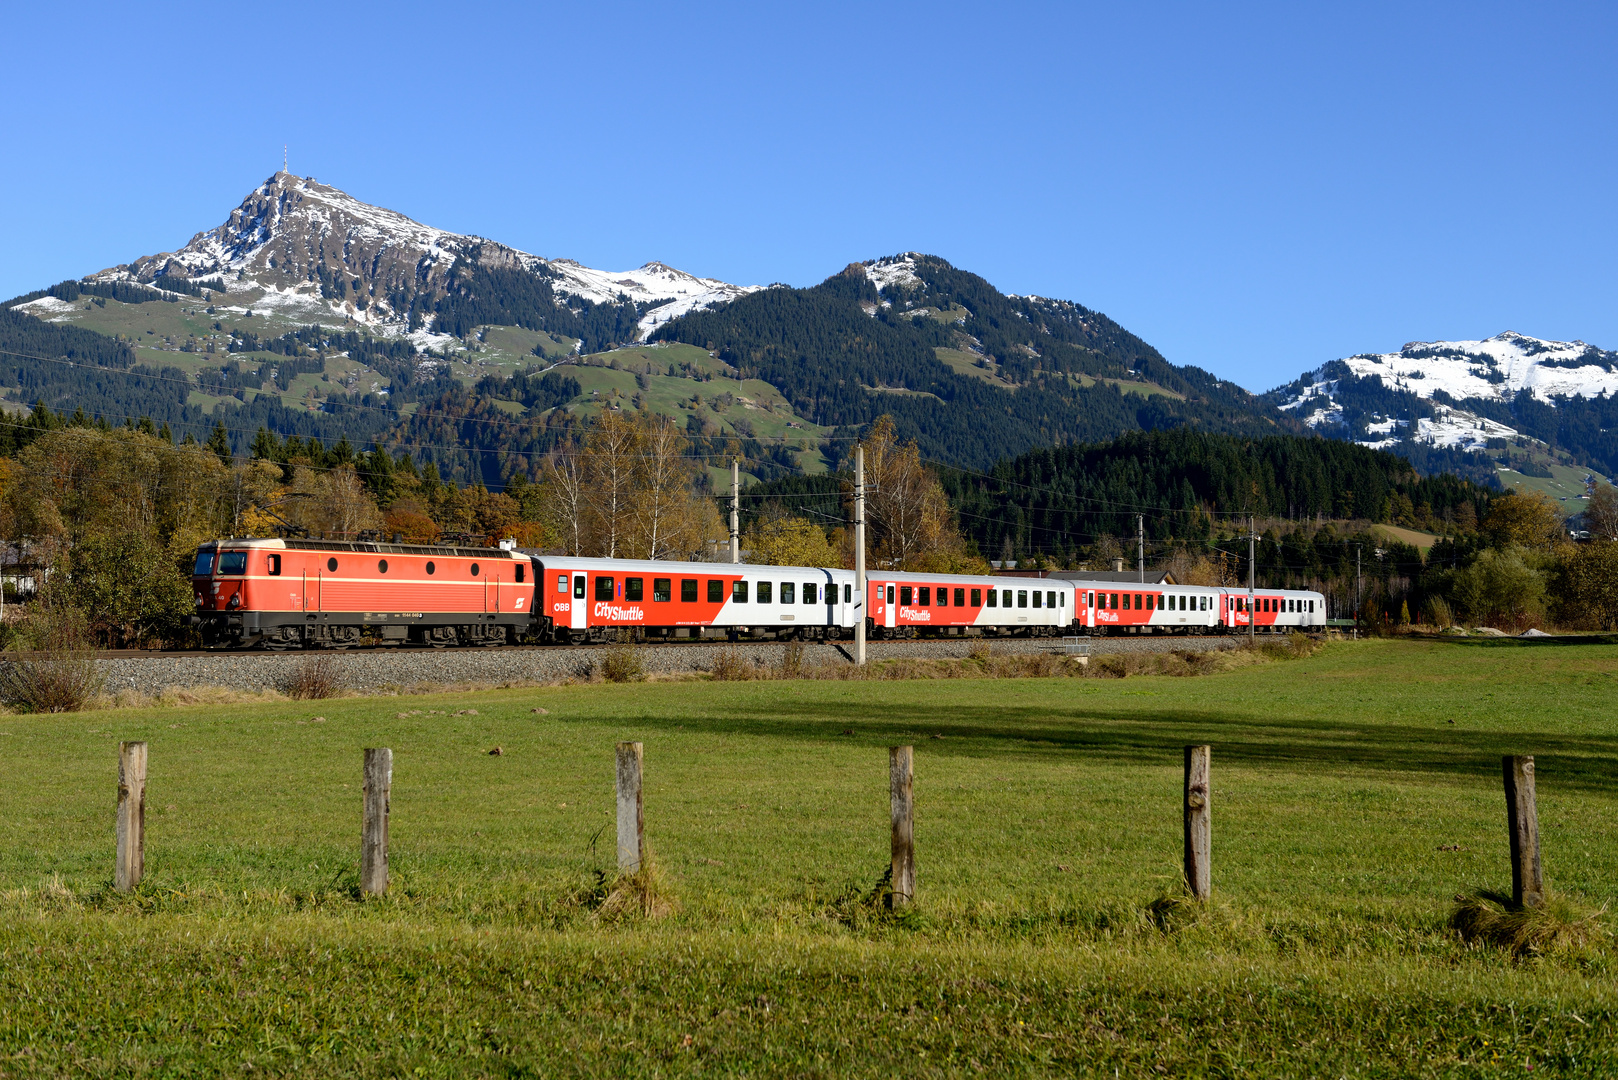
276 543
654 566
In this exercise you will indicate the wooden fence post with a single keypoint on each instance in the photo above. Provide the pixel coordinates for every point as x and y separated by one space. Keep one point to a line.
1522 820
1198 840
374 827
131 816
631 813
901 797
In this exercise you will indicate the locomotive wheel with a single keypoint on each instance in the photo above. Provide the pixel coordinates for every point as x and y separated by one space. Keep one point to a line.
577 637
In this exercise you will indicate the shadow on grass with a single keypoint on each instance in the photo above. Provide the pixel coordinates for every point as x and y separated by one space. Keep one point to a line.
1585 762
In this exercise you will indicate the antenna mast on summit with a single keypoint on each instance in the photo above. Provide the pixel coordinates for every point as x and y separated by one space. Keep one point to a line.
283 157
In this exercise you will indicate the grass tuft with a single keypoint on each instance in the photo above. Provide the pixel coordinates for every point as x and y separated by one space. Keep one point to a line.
1557 924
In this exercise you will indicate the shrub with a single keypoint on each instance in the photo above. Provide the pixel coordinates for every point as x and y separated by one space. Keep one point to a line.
792 661
61 674
621 664
730 666
315 677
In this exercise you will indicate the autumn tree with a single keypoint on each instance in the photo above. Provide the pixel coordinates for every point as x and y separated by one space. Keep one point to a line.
1532 521
1601 512
910 522
788 541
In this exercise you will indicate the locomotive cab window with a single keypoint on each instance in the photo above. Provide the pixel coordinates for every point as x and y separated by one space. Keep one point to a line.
634 588
604 588
662 590
204 567
233 563
519 573
274 565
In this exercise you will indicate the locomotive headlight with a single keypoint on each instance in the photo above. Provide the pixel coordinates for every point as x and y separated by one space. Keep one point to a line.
235 602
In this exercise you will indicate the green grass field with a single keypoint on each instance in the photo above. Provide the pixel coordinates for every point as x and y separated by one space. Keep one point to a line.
1047 820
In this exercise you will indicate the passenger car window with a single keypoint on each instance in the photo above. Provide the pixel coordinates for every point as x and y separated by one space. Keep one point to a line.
904 595
561 584
810 592
960 597
1005 597
977 597
604 586
662 590
926 598
688 591
716 591
235 562
1022 597
1050 599
848 594
634 588
738 592
765 588
1036 597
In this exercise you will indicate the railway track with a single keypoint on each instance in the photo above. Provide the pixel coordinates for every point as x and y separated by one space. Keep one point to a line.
502 650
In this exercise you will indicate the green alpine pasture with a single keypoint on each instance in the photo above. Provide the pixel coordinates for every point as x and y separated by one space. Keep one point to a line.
1355 795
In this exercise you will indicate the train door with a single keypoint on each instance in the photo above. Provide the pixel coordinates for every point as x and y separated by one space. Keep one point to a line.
889 608
580 607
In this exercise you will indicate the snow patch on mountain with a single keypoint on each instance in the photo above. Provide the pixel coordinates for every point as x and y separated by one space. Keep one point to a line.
1496 368
894 270
655 281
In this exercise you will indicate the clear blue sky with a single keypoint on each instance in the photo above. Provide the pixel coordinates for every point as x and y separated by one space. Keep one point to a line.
1254 190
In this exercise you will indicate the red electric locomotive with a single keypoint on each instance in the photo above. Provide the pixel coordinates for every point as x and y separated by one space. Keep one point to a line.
289 593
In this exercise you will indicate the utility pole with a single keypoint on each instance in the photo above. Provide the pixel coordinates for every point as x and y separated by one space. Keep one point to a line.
1252 551
1140 546
735 511
1358 590
859 555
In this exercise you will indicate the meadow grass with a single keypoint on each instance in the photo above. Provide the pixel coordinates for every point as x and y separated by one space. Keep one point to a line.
1356 794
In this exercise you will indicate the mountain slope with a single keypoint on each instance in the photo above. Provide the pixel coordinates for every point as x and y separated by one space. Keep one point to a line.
1467 396
973 374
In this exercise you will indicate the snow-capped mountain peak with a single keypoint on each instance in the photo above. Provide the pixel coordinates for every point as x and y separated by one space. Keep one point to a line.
1462 387
298 241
